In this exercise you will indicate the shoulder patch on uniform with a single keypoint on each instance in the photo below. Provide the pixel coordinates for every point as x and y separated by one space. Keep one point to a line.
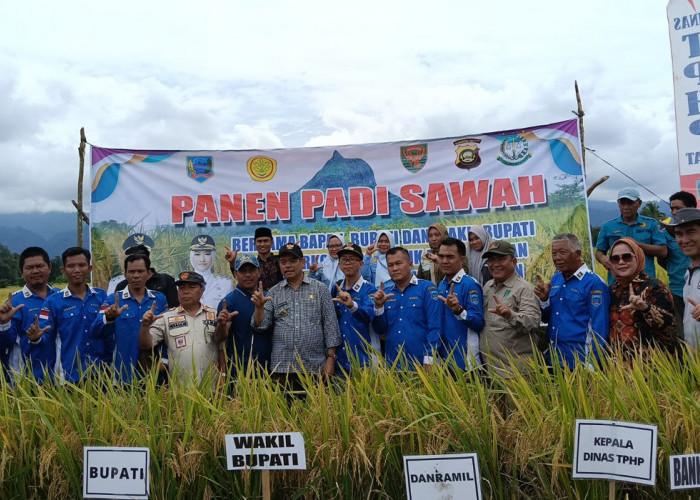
433 293
596 299
474 297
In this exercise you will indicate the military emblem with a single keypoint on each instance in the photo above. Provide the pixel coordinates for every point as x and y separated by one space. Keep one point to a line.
514 151
414 157
184 276
261 168
467 153
200 168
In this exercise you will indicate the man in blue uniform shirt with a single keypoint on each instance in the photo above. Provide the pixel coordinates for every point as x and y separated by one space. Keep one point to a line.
354 304
120 315
646 231
67 317
463 315
22 309
575 304
243 344
408 313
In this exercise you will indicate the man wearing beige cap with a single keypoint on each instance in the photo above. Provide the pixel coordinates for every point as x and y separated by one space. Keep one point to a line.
511 310
192 331
646 231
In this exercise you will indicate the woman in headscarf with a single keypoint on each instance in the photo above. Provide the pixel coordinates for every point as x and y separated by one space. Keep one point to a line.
328 271
429 268
641 307
202 258
375 269
479 243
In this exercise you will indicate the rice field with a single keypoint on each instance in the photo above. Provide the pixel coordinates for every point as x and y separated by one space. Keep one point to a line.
356 432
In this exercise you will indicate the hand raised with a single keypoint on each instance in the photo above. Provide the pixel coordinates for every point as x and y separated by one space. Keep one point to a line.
542 289
34 333
258 297
451 300
7 310
314 267
224 317
501 309
370 249
636 303
113 311
380 297
150 316
230 256
343 297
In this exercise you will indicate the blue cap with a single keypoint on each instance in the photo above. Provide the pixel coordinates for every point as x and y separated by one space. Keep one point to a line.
628 194
244 259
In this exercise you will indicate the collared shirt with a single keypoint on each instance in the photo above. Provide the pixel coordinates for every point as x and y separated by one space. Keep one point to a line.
644 230
270 273
244 343
304 326
691 290
676 264
411 321
70 319
577 313
460 333
356 323
513 338
22 353
189 339
124 330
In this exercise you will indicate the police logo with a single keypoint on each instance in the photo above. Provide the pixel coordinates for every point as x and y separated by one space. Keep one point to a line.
200 168
467 153
414 157
180 342
514 151
261 168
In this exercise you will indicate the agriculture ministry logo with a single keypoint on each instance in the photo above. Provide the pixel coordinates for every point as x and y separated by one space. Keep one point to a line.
414 157
467 153
200 168
514 151
261 168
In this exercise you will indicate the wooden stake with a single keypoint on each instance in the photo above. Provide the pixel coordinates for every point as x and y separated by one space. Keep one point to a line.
266 484
596 184
580 127
611 490
79 204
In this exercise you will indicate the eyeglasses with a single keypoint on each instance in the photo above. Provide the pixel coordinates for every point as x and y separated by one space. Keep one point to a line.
335 247
624 257
348 260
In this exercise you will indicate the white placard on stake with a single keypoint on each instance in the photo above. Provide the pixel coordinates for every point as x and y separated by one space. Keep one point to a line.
115 472
268 451
442 476
684 471
618 451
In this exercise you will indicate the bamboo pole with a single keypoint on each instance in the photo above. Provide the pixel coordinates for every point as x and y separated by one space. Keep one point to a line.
266 484
580 114
79 204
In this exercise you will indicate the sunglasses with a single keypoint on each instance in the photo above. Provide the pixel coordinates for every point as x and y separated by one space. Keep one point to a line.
624 257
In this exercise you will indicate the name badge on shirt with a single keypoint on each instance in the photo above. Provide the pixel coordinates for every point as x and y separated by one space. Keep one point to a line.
177 321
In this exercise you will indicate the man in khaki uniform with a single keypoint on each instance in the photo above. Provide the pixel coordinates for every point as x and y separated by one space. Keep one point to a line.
192 332
511 311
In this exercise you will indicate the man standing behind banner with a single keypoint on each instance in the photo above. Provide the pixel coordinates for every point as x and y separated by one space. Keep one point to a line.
67 317
157 282
462 317
192 332
299 310
120 315
511 310
270 272
575 304
644 230
22 309
408 313
354 303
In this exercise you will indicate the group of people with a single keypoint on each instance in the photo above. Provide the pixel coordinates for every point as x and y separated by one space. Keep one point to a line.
466 305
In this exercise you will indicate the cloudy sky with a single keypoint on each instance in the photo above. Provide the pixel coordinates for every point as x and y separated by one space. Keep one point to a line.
151 74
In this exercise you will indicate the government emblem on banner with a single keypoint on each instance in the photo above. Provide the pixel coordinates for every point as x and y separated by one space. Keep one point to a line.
514 151
200 168
261 168
467 153
414 157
